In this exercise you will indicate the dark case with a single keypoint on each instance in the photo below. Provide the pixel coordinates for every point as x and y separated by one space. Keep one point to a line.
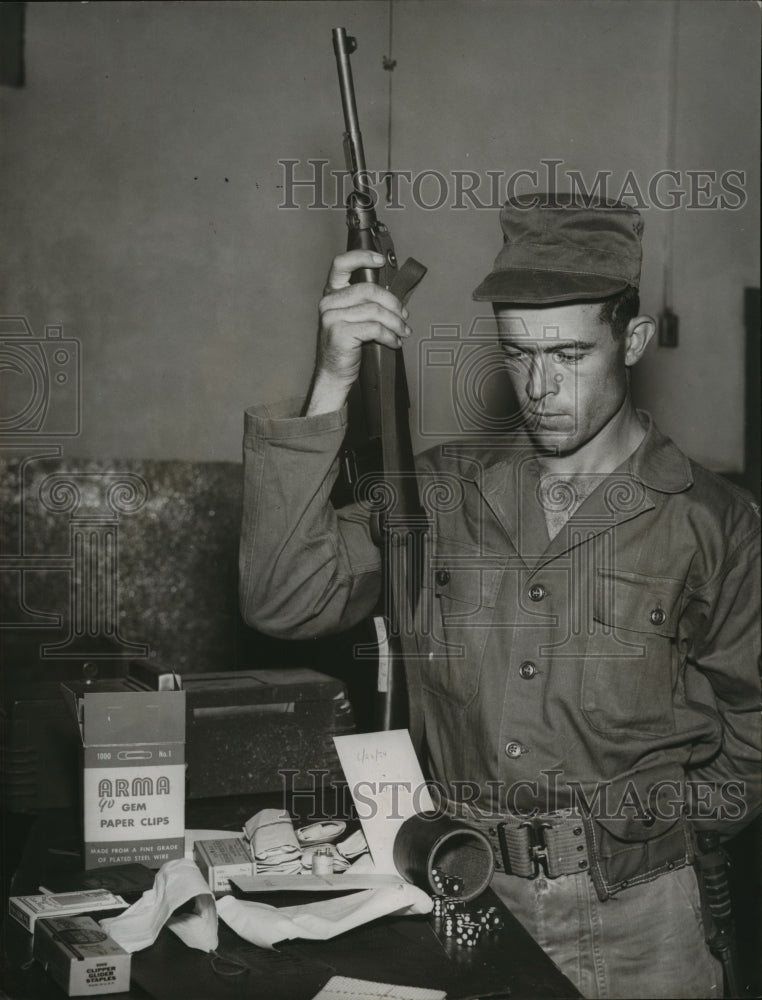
244 728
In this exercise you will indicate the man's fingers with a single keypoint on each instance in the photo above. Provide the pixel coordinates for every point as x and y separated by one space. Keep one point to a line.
345 264
370 331
352 315
366 312
354 295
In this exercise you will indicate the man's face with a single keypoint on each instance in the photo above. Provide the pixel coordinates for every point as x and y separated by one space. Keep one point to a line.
567 370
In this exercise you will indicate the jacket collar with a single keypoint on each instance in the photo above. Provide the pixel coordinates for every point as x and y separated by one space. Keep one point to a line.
509 486
657 462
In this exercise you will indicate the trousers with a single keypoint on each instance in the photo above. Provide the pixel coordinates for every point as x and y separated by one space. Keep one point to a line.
645 942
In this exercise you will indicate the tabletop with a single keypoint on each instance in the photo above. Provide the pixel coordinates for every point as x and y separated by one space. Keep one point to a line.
410 951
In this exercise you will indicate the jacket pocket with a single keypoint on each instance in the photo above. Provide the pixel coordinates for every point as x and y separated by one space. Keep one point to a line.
627 851
628 675
460 593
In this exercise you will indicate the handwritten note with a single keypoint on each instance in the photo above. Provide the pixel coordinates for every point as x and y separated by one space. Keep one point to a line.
387 787
364 756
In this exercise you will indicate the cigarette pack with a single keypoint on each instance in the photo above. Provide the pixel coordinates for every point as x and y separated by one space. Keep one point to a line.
221 859
28 909
80 957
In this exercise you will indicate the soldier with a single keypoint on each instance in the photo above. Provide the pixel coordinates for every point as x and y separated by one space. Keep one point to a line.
592 674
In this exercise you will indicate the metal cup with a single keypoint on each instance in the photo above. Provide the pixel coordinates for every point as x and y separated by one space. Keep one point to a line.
429 840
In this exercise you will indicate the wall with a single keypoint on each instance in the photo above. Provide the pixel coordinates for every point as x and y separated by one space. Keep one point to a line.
141 188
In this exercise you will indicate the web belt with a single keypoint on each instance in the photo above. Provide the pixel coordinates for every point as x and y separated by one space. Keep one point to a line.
529 846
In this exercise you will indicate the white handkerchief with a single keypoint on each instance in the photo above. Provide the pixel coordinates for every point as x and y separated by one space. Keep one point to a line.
273 841
354 845
176 882
321 832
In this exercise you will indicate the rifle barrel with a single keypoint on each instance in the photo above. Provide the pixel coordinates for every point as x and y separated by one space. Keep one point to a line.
343 46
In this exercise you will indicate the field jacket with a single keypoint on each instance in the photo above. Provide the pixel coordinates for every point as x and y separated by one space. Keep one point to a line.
617 663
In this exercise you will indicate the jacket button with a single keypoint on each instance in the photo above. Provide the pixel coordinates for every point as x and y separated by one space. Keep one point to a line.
514 749
537 592
658 616
442 577
527 670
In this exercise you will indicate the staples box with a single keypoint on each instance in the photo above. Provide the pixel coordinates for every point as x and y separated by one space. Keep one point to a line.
133 775
80 957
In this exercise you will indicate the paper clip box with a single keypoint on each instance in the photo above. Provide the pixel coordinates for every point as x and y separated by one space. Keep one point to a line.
133 773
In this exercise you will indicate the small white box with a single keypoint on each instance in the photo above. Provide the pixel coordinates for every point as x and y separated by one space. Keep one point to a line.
27 909
221 859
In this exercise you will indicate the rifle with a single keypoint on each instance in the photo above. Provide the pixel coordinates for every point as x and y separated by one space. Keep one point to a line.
377 456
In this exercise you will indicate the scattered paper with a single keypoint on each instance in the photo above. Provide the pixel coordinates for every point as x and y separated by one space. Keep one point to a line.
387 787
264 925
343 988
316 883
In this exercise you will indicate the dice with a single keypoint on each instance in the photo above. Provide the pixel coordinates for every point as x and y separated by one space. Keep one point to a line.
462 924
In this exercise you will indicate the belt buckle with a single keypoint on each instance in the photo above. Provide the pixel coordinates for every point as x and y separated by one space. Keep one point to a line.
523 849
538 849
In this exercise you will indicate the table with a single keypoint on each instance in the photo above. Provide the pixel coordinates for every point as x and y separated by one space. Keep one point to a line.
411 951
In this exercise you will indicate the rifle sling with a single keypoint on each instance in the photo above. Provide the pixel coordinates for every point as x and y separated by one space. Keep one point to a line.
406 279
